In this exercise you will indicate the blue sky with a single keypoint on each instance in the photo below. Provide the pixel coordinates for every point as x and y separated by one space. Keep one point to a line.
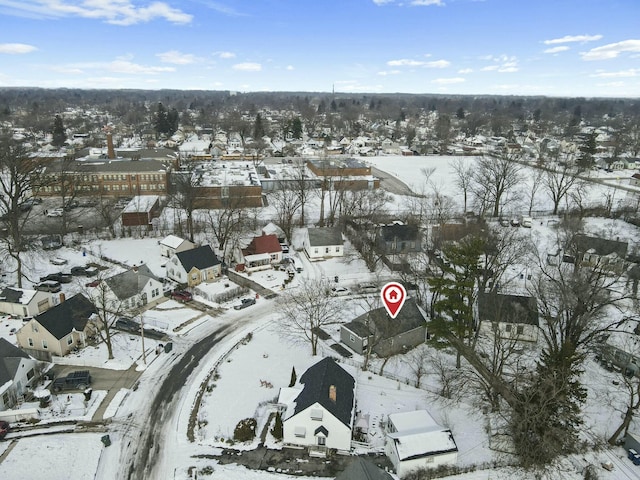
520 47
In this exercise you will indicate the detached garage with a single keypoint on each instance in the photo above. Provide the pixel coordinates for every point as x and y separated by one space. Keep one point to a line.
141 210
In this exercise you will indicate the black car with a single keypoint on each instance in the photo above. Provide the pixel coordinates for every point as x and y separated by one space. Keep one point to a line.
58 277
78 380
4 429
244 303
78 271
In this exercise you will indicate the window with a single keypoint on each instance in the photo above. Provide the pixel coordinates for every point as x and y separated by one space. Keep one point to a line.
352 338
70 340
337 249
326 250
5 399
322 441
520 329
300 432
507 327
30 374
45 345
30 342
315 250
34 327
316 414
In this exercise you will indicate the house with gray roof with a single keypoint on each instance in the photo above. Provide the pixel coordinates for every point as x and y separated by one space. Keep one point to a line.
194 266
24 302
599 252
323 242
382 334
60 329
318 412
133 288
513 317
18 371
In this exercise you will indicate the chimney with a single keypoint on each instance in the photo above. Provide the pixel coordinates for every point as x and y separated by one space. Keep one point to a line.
111 153
332 393
135 269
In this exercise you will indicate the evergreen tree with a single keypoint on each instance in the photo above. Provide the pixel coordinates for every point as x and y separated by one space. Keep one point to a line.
173 118
59 135
296 128
161 121
258 127
278 429
588 150
460 113
294 377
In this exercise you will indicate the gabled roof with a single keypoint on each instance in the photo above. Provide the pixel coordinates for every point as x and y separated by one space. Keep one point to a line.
361 469
400 232
16 295
131 282
318 381
263 244
67 316
10 357
324 236
200 258
499 307
602 246
409 318
172 241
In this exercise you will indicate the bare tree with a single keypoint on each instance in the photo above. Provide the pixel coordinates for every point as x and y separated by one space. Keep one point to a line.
306 309
227 223
21 178
463 171
286 203
495 177
185 197
559 183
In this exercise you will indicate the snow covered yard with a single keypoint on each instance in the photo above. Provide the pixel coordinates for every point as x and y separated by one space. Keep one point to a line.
70 455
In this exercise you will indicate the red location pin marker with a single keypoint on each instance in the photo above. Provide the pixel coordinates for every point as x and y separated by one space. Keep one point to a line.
393 296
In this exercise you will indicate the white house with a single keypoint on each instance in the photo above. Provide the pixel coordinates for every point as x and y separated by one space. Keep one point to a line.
513 317
323 242
132 288
25 303
192 267
414 440
18 371
171 244
318 413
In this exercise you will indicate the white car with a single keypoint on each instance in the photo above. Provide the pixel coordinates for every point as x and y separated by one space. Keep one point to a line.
339 291
58 261
56 212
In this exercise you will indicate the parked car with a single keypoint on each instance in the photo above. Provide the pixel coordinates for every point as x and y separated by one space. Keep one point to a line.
78 380
339 291
181 295
94 283
369 288
527 222
515 222
4 429
58 261
58 277
127 324
56 212
244 303
78 271
50 286
51 242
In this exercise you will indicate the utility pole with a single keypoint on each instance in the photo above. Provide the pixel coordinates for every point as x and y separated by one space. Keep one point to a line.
144 353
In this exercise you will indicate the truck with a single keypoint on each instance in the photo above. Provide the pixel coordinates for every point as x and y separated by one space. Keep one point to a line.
78 380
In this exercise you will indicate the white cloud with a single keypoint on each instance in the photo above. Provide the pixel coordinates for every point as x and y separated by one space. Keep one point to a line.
426 3
119 65
438 64
117 12
464 71
247 67
290 67
225 54
501 63
405 62
632 72
176 57
558 49
448 81
16 48
385 73
573 38
611 50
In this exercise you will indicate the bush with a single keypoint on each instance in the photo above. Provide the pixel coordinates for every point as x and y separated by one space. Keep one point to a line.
245 431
